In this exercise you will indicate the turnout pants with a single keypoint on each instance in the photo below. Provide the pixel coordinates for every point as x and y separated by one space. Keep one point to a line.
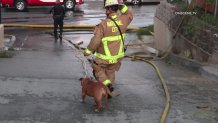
104 72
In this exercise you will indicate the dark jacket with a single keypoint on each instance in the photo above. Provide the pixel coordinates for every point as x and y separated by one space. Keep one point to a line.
58 11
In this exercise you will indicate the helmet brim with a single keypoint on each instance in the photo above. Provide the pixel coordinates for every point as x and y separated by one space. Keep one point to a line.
111 5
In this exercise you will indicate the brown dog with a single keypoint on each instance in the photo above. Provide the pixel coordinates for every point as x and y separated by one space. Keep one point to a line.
96 90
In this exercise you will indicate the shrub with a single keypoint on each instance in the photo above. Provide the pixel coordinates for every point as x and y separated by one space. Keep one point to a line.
145 31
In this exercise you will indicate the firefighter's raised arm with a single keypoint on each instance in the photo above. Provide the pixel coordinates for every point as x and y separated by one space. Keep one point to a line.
126 12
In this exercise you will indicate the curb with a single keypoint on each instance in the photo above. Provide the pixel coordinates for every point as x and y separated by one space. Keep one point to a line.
203 69
209 72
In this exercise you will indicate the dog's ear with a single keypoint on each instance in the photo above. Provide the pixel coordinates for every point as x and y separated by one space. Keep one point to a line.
80 79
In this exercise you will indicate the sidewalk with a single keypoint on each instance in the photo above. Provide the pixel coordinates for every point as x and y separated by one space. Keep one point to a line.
205 70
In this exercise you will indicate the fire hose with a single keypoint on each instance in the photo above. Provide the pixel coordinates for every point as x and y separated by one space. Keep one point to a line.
66 26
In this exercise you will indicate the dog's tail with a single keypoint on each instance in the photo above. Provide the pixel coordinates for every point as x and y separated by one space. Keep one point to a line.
110 93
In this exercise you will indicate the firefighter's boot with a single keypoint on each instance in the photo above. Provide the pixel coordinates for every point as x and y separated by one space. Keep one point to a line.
111 88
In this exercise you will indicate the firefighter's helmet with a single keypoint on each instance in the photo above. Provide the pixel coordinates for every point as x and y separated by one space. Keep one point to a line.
111 3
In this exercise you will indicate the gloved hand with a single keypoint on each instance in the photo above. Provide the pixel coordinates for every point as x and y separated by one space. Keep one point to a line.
86 54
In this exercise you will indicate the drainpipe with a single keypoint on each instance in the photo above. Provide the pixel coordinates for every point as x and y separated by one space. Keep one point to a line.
215 13
0 12
1 29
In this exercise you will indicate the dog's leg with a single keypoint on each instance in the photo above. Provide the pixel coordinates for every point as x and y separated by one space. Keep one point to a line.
99 106
106 101
98 103
83 97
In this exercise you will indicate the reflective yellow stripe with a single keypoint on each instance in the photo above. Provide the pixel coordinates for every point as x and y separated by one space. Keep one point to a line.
121 47
106 49
111 59
107 82
108 57
88 51
114 16
124 9
114 38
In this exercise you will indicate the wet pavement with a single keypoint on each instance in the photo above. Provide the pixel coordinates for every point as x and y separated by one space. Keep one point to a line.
40 84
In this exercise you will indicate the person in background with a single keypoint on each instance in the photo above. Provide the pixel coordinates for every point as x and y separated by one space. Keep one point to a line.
58 13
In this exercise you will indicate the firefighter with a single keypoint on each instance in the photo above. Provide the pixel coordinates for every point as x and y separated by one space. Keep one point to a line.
58 12
107 44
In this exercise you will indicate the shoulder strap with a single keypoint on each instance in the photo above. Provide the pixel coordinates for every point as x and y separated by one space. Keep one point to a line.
125 47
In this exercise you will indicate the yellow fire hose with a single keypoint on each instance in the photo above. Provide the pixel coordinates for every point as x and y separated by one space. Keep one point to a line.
67 26
139 43
167 102
167 94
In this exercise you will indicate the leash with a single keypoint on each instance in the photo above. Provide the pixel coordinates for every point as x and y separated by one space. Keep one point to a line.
81 57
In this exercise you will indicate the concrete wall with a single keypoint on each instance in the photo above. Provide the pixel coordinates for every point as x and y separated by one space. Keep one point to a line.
1 36
163 36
